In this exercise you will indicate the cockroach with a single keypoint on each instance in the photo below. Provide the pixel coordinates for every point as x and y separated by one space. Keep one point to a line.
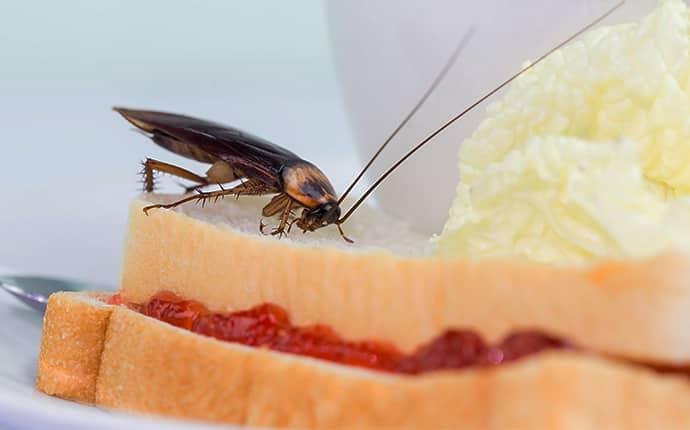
259 167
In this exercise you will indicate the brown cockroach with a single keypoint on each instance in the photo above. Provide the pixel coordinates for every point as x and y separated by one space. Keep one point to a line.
259 167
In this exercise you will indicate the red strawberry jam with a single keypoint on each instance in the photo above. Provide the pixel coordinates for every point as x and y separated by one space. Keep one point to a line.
269 326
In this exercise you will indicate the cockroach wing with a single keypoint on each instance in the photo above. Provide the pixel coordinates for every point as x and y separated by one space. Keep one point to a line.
208 142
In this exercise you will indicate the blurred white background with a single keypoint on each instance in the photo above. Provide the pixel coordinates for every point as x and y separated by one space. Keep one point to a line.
68 164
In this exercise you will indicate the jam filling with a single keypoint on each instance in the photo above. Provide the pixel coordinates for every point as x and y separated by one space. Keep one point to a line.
269 326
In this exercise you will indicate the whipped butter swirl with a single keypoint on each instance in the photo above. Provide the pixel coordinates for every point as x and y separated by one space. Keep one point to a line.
588 155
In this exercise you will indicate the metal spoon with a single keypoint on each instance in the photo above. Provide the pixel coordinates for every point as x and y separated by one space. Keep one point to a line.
35 290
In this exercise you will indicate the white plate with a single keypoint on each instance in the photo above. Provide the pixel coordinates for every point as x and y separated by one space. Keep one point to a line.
22 407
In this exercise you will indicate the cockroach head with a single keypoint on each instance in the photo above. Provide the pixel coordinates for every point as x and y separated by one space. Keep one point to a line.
321 216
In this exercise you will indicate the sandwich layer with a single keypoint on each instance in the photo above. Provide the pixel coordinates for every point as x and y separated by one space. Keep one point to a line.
269 326
632 309
151 367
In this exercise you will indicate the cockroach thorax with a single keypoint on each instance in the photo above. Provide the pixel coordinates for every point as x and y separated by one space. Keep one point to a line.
307 184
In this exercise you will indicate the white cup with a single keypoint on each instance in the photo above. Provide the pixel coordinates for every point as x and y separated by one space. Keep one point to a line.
387 52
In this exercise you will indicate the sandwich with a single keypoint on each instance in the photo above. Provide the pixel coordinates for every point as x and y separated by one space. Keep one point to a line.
555 297
390 340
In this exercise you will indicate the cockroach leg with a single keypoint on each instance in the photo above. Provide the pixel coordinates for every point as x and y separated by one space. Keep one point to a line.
280 230
262 226
200 197
248 187
148 177
191 188
243 183
151 166
276 205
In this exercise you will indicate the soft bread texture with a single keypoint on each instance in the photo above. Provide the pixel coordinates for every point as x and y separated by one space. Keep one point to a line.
151 367
636 309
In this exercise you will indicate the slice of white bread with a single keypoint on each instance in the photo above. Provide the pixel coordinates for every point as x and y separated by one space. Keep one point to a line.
388 287
117 358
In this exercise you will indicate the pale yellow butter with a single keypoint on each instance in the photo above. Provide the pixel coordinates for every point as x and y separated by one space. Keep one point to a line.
587 155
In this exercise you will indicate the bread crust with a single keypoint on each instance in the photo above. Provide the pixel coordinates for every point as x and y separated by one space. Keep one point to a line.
71 346
150 367
631 309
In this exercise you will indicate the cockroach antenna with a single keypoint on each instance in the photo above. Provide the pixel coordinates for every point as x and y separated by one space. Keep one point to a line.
444 71
455 118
